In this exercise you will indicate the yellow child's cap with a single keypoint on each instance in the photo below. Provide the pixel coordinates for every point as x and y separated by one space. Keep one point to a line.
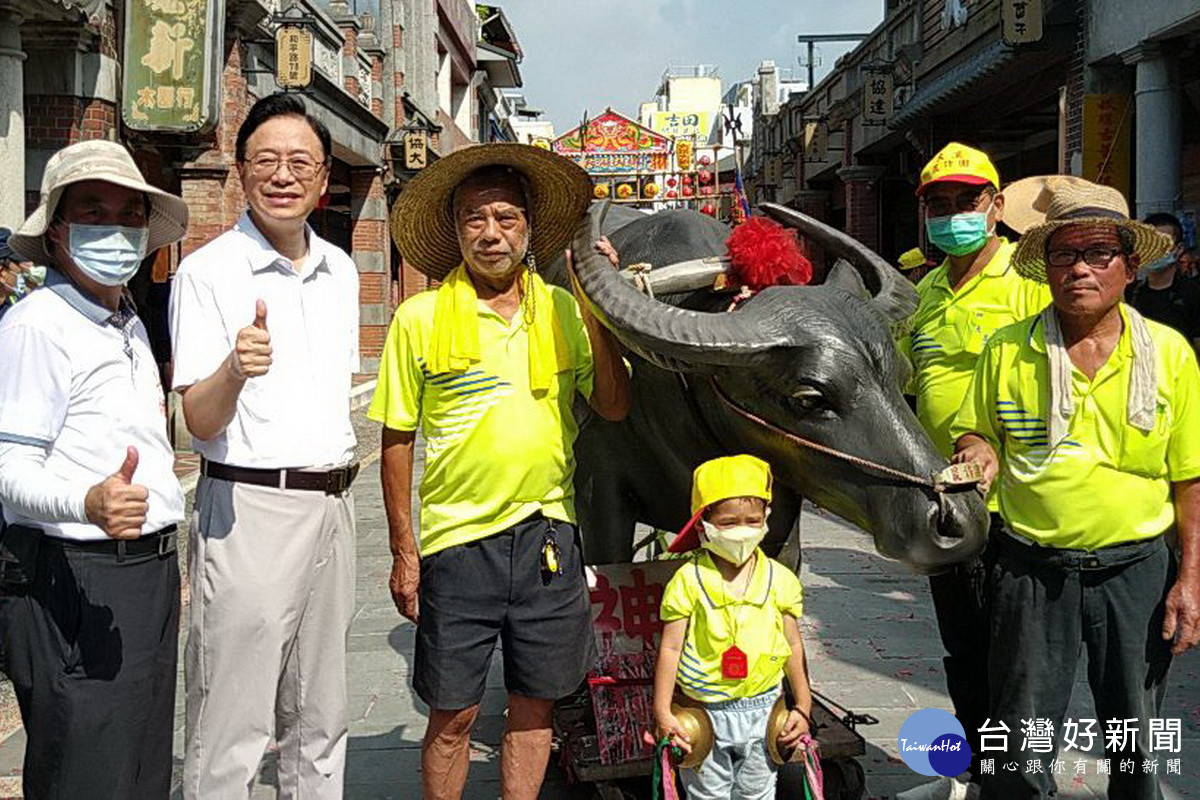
962 164
721 479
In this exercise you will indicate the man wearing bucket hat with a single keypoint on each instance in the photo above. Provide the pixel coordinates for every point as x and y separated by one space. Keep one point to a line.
89 579
488 366
972 294
730 635
273 531
1095 414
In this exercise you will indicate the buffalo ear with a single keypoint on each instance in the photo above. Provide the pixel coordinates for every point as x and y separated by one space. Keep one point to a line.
845 277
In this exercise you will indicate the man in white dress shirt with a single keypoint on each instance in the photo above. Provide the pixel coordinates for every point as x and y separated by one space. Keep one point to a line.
89 577
264 324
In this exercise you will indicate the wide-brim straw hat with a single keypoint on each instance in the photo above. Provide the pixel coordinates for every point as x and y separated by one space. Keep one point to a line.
423 217
1019 196
1067 200
97 160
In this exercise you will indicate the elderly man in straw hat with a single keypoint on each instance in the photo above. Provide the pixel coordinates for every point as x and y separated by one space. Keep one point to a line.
89 579
487 366
1095 414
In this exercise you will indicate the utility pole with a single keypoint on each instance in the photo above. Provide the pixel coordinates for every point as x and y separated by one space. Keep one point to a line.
812 39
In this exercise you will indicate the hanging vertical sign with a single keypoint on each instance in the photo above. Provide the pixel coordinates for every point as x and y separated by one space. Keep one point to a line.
172 64
877 97
293 57
415 154
1106 141
1021 21
683 155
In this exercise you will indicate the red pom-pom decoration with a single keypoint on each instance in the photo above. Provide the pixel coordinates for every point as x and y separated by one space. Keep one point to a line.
764 253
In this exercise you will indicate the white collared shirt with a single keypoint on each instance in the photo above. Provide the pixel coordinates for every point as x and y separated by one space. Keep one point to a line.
298 414
82 383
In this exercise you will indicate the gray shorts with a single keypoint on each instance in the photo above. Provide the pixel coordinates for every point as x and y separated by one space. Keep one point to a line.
495 588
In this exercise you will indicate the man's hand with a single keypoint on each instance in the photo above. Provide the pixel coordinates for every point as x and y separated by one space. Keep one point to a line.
118 505
251 356
405 583
972 447
794 727
1182 615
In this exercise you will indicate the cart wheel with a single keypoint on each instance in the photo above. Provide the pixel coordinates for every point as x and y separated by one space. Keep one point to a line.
844 779
608 791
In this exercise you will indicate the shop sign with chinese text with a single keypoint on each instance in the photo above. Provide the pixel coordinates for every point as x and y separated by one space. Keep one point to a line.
1021 21
1106 141
173 53
293 57
877 97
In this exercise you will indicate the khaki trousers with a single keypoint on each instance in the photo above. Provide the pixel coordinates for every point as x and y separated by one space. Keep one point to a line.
272 595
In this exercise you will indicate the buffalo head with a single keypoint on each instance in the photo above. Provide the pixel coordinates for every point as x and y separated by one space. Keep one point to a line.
796 363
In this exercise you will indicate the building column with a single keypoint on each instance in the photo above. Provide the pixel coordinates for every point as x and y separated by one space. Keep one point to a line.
12 118
1159 142
369 249
862 203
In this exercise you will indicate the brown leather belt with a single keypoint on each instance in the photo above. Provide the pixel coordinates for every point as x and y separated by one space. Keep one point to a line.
334 481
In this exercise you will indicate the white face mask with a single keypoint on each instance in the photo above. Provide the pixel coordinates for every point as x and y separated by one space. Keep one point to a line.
735 544
108 254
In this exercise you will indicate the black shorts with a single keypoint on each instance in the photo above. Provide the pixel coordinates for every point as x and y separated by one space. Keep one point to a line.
474 593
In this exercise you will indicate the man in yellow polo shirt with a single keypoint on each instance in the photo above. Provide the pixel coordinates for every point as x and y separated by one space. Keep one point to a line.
488 366
973 293
1095 414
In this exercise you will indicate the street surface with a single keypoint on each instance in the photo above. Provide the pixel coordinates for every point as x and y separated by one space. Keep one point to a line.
869 629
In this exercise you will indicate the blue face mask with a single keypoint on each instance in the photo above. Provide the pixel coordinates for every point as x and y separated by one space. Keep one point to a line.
1162 263
108 254
959 234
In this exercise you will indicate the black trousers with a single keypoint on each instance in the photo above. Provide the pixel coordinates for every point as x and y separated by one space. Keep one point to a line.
1048 605
961 604
90 643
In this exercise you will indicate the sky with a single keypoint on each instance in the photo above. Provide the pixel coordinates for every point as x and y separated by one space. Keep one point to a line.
588 55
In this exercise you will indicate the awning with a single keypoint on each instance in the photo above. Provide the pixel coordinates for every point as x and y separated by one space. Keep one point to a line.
500 65
953 84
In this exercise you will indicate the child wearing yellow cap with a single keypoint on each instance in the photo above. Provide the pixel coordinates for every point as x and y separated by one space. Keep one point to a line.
730 635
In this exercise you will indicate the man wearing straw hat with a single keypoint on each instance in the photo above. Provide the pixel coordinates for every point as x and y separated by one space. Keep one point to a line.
89 578
1094 413
963 301
488 366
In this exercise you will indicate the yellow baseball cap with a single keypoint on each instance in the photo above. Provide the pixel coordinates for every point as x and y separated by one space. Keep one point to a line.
911 259
962 164
720 479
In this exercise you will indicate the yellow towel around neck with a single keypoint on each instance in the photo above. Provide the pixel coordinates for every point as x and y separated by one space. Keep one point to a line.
455 345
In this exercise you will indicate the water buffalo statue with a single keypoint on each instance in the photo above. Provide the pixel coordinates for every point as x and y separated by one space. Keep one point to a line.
815 362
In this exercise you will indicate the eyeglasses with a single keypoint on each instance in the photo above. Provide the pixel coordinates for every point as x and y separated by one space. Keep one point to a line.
1096 257
301 168
963 202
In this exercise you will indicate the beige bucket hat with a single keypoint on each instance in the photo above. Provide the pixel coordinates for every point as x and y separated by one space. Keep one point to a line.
97 160
423 220
1067 200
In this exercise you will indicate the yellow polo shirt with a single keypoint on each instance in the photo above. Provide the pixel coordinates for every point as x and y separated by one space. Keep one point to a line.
949 330
494 453
1106 482
717 620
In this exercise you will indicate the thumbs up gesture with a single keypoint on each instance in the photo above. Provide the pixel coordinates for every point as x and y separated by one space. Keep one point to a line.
117 504
252 350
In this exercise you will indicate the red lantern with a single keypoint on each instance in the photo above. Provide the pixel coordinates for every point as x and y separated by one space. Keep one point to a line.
705 176
687 180
706 190
671 182
672 194
688 191
705 160
708 208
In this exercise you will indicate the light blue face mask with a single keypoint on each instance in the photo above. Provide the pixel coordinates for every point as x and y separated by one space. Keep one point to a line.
959 234
1162 263
108 254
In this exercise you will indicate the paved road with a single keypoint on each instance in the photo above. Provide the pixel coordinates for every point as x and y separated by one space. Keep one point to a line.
869 629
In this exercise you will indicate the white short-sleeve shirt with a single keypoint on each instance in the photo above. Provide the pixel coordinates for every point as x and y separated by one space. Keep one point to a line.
82 382
298 414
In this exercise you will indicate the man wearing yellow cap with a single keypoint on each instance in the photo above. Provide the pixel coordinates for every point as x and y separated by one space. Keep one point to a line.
970 295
